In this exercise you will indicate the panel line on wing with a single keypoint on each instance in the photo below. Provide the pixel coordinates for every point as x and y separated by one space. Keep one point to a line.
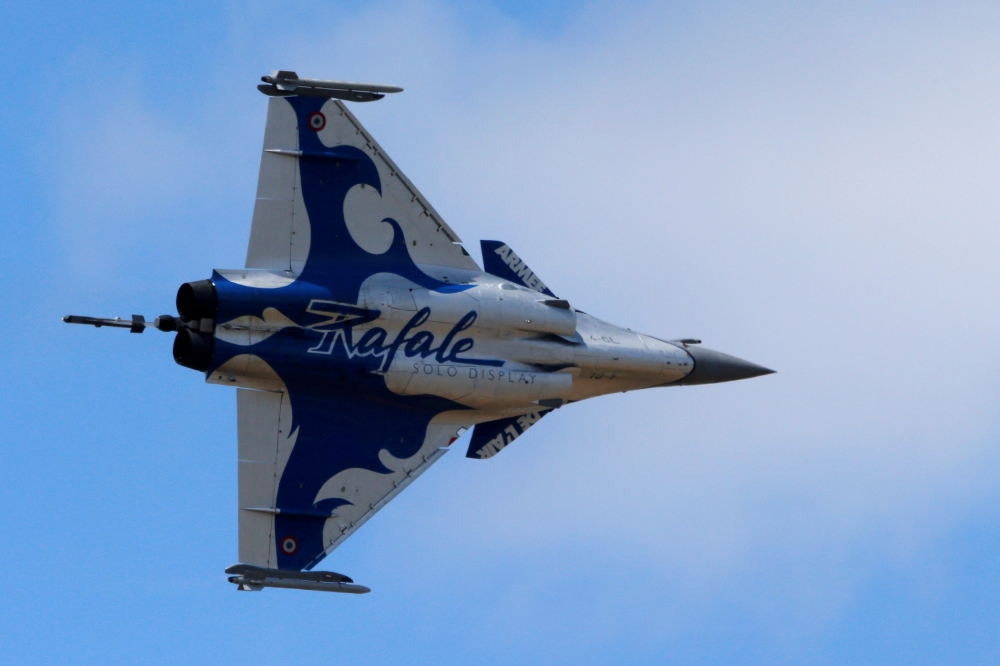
398 487
377 151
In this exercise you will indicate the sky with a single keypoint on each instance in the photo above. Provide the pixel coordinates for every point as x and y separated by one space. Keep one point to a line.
811 187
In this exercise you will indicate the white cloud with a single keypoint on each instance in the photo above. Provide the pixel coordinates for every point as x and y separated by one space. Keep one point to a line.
812 192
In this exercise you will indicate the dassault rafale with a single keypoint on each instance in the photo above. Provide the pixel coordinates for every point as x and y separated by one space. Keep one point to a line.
363 339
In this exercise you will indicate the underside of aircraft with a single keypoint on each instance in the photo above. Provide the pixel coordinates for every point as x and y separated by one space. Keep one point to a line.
363 339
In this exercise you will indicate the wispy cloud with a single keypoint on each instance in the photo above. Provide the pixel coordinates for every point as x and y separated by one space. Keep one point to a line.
811 189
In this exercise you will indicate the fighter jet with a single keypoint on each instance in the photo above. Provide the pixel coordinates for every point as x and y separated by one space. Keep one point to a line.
363 339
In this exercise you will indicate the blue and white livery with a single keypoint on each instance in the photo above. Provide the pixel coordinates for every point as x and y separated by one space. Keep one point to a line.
363 339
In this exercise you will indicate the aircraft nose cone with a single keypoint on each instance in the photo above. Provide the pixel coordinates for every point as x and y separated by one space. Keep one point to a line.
712 367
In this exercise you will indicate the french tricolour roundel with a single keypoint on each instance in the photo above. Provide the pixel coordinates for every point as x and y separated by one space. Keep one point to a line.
289 545
317 121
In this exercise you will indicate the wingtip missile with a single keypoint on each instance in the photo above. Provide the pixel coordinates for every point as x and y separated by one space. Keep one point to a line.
286 83
249 578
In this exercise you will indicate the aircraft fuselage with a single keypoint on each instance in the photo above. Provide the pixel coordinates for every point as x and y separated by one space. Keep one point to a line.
486 345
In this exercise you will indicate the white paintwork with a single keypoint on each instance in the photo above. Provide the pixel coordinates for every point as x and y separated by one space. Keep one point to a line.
368 491
264 419
249 330
259 278
513 325
277 191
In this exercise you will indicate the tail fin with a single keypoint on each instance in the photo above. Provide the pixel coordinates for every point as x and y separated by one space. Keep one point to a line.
503 262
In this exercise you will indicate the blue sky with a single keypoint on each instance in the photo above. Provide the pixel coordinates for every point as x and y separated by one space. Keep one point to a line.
812 188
